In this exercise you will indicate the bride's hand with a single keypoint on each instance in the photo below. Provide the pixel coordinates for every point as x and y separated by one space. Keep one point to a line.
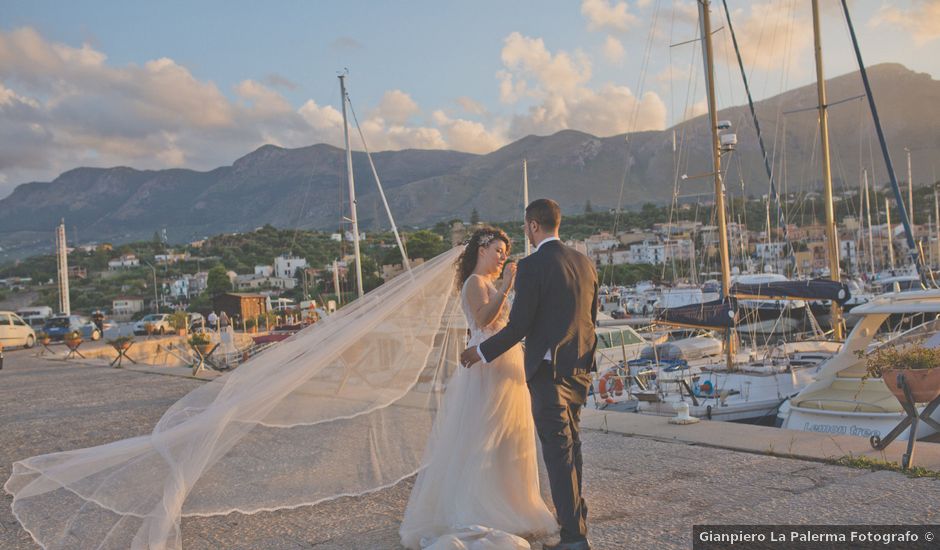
509 277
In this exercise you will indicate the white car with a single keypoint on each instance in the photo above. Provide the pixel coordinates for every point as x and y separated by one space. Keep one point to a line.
159 321
14 331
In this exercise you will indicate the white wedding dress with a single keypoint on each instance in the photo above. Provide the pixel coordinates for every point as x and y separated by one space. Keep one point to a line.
479 485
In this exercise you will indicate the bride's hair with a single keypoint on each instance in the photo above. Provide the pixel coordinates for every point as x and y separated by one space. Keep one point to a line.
467 261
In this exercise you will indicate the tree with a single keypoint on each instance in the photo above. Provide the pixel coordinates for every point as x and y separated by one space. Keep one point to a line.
424 244
474 217
218 281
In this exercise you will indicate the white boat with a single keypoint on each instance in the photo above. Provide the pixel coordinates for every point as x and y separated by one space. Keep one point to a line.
842 400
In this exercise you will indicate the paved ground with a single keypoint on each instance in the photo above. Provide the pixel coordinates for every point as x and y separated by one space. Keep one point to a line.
642 493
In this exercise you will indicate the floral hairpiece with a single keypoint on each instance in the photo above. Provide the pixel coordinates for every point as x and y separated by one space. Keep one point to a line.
486 240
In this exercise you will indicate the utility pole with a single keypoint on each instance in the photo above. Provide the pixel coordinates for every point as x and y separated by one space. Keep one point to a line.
525 200
62 257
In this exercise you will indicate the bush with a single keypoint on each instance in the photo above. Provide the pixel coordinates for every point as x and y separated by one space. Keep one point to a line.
914 358
179 320
199 339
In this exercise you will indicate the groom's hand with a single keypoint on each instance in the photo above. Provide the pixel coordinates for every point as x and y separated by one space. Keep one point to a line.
470 357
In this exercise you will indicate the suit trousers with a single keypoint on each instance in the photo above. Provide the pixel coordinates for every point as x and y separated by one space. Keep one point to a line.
556 407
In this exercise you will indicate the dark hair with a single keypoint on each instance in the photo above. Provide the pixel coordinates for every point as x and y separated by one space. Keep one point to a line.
544 211
467 261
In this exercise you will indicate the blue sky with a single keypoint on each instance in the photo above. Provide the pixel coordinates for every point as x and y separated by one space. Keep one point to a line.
198 84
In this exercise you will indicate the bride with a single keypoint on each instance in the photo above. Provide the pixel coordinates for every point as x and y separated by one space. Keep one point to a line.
479 483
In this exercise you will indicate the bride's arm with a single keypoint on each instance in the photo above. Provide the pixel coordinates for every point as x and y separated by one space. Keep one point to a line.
483 309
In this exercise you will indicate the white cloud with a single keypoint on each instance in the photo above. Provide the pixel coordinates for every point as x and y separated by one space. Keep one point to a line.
467 135
397 107
605 15
63 106
767 33
613 49
922 19
557 83
471 105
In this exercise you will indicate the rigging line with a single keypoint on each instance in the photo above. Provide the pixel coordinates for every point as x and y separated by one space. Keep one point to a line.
635 116
378 183
760 137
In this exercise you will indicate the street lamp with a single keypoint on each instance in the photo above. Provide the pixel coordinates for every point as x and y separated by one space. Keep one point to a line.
156 299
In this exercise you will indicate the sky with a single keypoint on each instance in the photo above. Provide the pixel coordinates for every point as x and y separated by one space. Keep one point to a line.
197 85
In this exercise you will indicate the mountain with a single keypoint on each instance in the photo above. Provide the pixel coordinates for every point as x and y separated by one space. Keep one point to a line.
305 187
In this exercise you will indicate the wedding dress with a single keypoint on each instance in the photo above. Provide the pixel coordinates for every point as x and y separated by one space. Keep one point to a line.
479 486
341 408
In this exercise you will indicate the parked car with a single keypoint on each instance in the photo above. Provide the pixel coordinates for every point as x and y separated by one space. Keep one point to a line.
159 321
57 327
196 321
14 331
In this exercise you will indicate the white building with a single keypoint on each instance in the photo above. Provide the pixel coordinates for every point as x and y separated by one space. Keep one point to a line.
264 270
124 307
767 252
601 241
171 257
126 261
255 282
285 267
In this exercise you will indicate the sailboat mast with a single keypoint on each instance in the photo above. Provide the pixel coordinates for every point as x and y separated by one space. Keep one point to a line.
704 7
352 189
525 199
871 239
890 232
831 233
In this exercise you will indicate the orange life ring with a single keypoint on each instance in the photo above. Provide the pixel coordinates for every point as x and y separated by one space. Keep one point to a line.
610 385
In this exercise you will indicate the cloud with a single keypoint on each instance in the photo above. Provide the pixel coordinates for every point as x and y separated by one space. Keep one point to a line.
345 44
467 135
63 106
556 84
613 49
279 81
922 19
396 107
604 15
471 105
767 33
526 57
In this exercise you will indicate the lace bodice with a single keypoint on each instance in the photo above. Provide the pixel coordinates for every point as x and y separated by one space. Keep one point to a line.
478 334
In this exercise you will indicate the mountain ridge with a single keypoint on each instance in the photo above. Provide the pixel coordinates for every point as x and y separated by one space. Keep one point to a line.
305 187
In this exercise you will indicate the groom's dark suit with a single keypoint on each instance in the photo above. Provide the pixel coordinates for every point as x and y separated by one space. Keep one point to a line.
555 310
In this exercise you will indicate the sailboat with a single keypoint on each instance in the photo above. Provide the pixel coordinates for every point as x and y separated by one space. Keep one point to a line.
747 386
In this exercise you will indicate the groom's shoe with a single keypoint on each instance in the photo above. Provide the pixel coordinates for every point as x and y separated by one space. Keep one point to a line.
578 545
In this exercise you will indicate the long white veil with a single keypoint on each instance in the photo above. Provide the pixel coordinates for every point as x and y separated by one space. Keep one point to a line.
342 408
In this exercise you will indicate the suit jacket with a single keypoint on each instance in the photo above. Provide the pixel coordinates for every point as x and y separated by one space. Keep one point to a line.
555 310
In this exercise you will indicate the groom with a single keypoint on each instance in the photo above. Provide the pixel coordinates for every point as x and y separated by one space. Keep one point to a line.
555 310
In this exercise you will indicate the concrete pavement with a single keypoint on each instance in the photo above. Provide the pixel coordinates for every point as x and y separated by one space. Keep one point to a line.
645 486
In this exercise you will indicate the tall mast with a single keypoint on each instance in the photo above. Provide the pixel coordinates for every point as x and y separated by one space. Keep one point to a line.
871 240
936 218
890 232
525 199
831 233
703 8
910 187
62 259
352 189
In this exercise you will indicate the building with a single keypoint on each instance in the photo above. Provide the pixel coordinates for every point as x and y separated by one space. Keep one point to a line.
286 266
171 258
126 261
254 281
600 242
241 306
264 270
123 308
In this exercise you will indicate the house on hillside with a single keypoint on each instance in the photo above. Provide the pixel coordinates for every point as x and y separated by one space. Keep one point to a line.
127 261
285 266
124 307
